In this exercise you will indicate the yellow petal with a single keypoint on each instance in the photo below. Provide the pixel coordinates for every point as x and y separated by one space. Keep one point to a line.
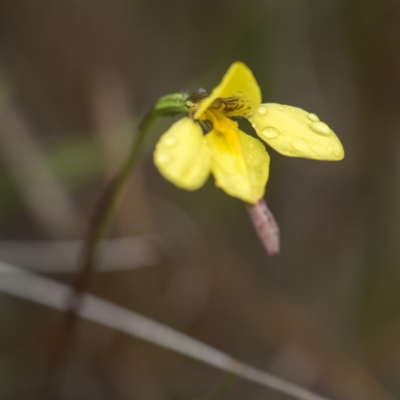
296 133
239 164
182 155
238 83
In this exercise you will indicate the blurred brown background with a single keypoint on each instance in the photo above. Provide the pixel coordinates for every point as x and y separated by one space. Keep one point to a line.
77 75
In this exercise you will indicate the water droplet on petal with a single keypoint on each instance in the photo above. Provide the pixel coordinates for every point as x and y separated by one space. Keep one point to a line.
254 125
262 110
230 160
293 109
287 150
221 139
312 117
254 177
249 157
163 158
300 145
281 108
270 132
170 141
336 152
321 128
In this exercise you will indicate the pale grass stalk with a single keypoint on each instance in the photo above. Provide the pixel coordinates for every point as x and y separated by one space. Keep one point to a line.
46 199
59 256
17 282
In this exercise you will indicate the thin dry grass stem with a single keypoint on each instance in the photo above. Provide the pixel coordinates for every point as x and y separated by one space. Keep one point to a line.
59 256
111 112
45 197
17 282
98 228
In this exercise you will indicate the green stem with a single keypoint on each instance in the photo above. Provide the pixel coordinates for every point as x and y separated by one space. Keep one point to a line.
106 209
168 105
172 104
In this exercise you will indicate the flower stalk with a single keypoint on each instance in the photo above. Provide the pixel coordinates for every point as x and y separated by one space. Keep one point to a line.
170 105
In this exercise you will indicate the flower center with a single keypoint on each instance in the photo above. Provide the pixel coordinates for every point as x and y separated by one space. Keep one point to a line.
227 128
220 122
232 107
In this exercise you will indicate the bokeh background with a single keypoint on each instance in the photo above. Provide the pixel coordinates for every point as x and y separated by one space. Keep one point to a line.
77 76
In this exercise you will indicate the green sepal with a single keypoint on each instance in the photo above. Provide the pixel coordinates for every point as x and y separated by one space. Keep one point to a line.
172 104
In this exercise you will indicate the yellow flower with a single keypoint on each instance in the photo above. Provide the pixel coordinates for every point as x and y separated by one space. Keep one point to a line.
185 155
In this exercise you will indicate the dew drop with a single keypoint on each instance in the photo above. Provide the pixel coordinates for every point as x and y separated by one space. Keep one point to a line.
293 110
164 158
249 156
287 150
320 128
170 141
336 153
281 108
230 161
313 117
300 145
269 132
262 110
255 178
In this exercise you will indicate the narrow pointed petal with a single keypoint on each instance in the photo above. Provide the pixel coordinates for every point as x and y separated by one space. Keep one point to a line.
294 132
238 83
182 155
240 164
